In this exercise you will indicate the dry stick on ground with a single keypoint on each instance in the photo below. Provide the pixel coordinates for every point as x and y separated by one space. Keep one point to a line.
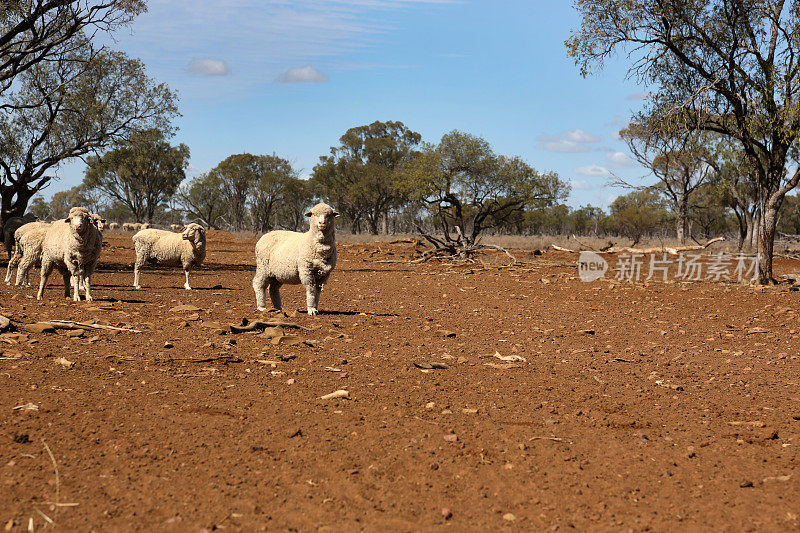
58 480
673 250
68 324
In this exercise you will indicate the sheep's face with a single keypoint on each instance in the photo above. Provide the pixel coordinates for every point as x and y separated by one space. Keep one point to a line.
322 217
79 219
193 232
100 223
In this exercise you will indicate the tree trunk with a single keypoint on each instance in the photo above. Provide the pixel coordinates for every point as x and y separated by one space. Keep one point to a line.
768 222
384 223
683 213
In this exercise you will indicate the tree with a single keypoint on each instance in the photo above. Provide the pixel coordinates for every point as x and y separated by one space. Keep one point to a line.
36 31
466 188
69 109
142 173
237 175
363 175
297 198
268 190
725 66
637 214
39 208
202 199
63 201
677 157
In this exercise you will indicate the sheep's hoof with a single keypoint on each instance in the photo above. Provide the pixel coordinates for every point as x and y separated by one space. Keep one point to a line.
312 311
188 288
137 286
261 308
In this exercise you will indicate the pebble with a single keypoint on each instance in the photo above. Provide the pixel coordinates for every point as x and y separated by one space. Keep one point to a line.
447 513
508 517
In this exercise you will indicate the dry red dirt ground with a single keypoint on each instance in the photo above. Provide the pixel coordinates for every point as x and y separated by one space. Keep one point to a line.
662 406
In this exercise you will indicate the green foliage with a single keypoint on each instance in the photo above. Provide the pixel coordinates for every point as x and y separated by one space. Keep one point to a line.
637 214
142 173
68 109
467 188
34 31
202 199
363 176
717 66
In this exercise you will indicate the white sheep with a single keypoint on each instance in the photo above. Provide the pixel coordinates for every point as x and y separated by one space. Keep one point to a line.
30 247
113 225
187 249
98 221
297 258
176 227
18 250
72 246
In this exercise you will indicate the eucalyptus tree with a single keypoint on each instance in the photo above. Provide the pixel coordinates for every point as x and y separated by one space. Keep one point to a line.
363 176
68 109
36 31
725 66
678 158
467 188
143 172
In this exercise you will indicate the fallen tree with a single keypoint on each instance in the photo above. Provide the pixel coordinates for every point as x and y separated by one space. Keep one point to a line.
672 250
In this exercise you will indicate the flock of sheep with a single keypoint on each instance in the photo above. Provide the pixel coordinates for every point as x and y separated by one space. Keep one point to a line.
72 246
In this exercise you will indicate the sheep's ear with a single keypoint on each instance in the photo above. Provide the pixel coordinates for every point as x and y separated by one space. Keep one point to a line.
309 214
67 220
336 213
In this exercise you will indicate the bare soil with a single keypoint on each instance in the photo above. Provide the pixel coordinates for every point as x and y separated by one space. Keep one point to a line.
631 406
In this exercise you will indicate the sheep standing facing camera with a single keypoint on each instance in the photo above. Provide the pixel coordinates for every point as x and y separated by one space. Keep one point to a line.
72 246
290 257
187 249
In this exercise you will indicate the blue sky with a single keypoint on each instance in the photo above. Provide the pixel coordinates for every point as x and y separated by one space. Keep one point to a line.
291 76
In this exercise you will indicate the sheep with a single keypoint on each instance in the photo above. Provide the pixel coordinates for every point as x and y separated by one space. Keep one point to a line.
187 249
146 225
18 248
176 227
297 258
131 226
73 247
10 228
29 247
98 221
113 225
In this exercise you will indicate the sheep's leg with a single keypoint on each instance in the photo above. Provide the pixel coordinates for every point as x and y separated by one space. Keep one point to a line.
13 263
75 278
87 287
275 294
23 270
47 268
138 265
260 283
319 293
186 285
312 298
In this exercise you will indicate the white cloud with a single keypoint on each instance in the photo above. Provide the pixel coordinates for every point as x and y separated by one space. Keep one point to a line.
209 67
592 170
307 74
571 141
638 96
261 40
618 159
580 185
579 136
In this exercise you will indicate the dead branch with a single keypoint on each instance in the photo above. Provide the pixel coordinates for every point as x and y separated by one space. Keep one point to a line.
495 247
67 324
